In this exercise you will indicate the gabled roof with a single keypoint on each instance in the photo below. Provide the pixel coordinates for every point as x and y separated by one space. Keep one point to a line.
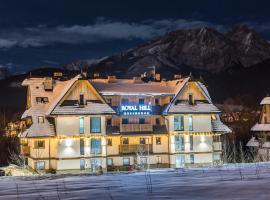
261 127
265 101
177 106
218 126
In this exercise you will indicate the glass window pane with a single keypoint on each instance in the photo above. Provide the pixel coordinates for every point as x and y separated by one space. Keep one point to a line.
95 145
81 125
190 123
178 123
179 143
95 125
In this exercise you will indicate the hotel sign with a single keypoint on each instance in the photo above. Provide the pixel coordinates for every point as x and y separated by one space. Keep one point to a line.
135 109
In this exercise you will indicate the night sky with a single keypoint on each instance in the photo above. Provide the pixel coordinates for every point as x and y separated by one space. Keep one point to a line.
38 33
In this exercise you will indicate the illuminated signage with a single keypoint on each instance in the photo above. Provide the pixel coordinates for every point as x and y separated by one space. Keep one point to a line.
135 109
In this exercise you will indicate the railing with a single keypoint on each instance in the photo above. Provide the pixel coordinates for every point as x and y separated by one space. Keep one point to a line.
217 146
135 148
136 127
25 150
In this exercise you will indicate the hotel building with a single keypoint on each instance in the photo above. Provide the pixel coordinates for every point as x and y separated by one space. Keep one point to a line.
85 124
261 131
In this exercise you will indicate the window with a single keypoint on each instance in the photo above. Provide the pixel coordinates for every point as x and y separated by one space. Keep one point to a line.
126 161
191 158
190 99
81 99
95 145
40 165
158 140
81 146
213 117
40 119
179 123
190 123
95 124
159 159
109 102
157 121
179 143
141 101
124 120
125 141
141 121
82 164
81 125
142 140
40 144
216 138
124 101
156 101
110 162
216 157
109 121
191 142
109 141
45 100
42 99
143 160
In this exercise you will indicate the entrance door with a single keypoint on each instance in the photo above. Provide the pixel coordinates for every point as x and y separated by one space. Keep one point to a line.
95 164
180 161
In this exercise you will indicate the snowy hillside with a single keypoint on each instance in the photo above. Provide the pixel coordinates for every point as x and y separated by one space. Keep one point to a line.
245 181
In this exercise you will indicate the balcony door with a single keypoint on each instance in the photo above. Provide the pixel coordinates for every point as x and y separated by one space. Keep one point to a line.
179 161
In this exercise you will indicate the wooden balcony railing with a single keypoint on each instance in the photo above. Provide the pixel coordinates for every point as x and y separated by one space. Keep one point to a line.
217 146
135 148
25 150
136 127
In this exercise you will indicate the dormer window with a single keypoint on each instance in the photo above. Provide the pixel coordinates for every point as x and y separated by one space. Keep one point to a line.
81 99
191 99
42 99
40 119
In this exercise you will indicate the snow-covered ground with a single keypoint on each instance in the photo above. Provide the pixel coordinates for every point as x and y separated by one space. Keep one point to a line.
245 181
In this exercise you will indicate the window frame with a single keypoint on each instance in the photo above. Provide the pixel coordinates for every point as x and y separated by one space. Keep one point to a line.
126 164
180 123
81 125
91 125
141 101
41 119
158 140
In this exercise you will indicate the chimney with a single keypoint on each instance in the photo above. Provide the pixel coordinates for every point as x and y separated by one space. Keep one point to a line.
191 100
48 84
81 102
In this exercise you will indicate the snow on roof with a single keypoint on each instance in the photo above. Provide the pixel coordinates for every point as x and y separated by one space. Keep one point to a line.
37 109
253 142
90 108
185 107
266 100
128 87
218 126
261 127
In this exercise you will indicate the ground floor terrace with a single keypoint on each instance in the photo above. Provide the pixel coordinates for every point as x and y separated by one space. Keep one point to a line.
232 181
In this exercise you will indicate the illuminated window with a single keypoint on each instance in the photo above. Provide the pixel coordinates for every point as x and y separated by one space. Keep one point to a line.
179 143
158 140
141 121
126 161
141 101
125 141
40 165
95 145
179 123
40 119
109 161
95 124
213 117
109 141
190 123
81 125
81 146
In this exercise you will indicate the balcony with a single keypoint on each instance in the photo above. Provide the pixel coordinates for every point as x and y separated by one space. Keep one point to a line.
25 150
136 128
217 146
135 148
